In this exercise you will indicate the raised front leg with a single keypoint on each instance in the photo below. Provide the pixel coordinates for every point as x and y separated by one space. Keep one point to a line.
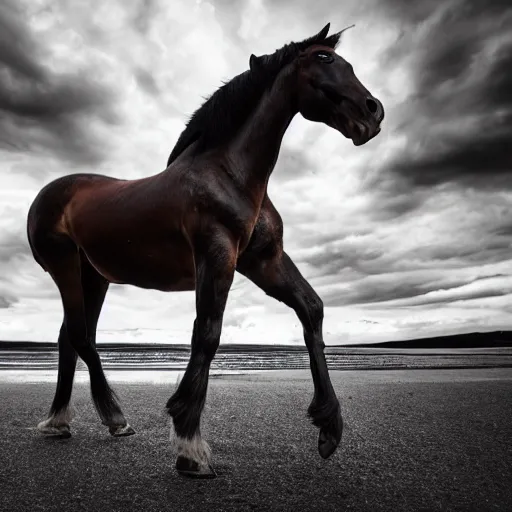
215 257
278 277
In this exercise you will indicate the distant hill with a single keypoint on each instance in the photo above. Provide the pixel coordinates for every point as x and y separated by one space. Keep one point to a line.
471 340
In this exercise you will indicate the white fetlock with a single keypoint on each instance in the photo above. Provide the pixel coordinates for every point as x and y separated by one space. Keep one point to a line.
195 449
121 431
50 427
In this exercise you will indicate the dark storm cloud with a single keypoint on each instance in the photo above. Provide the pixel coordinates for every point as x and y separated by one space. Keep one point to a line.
342 256
504 231
41 110
373 291
414 289
459 119
392 201
377 269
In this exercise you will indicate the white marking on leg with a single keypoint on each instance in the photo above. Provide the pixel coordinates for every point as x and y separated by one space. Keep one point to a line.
62 418
195 449
57 424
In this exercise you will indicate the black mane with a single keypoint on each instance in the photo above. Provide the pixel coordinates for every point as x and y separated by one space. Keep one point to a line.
225 111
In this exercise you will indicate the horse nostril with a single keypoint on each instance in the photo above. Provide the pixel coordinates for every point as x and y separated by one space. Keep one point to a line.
372 105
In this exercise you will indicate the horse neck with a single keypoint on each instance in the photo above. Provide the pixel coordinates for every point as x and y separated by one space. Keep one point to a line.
255 149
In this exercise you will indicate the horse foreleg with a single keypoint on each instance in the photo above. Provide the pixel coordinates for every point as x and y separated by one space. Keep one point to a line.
279 278
215 263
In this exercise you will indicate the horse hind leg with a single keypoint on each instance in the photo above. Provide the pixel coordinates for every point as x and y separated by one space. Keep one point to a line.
62 260
94 289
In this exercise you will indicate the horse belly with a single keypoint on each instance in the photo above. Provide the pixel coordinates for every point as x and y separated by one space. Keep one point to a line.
165 267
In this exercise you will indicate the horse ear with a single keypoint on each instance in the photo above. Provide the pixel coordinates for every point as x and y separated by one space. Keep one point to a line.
317 38
323 33
334 39
254 62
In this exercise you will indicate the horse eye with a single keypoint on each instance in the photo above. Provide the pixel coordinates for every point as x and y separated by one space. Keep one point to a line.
324 57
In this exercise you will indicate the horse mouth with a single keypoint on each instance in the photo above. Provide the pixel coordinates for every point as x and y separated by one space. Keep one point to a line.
356 130
359 132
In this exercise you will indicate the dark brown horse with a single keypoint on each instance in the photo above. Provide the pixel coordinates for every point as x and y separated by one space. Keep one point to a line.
191 226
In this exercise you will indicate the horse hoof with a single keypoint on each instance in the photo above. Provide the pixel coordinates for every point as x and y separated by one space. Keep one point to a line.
330 437
192 469
61 431
118 431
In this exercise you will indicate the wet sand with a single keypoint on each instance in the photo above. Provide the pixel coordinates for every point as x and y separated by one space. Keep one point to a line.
414 440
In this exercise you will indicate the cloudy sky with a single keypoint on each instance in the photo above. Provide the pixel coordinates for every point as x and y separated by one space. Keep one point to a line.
407 236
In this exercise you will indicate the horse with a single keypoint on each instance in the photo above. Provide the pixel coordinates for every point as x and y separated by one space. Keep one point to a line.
191 226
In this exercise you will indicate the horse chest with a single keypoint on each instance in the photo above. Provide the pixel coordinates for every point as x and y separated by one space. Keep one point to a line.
241 224
238 215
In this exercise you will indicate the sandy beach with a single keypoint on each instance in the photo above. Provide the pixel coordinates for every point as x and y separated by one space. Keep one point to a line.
414 440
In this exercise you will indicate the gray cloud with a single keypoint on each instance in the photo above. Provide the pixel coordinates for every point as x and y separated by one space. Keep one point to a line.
13 244
413 289
334 258
370 256
292 163
145 11
6 302
459 118
40 110
146 81
429 227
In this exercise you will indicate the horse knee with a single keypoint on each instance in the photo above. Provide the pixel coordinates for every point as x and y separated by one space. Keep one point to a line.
209 345
206 339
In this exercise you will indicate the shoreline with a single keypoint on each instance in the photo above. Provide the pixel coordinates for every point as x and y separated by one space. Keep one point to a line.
141 376
267 360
